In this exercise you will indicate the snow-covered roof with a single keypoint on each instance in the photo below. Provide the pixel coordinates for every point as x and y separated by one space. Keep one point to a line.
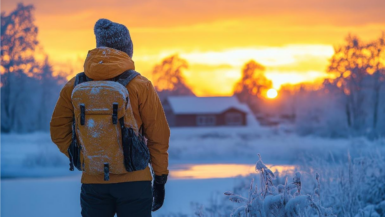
204 105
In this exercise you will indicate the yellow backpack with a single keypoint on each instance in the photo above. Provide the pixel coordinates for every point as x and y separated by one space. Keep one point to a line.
105 137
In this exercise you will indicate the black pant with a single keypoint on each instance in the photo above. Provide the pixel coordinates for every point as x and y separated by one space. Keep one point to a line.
129 199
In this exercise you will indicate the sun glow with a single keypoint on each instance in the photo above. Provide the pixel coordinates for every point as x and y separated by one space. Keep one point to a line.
215 55
272 93
210 171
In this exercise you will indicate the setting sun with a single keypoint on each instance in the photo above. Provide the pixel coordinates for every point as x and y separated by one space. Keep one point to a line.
272 93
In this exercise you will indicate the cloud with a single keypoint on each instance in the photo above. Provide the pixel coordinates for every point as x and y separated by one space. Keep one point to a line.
267 56
166 13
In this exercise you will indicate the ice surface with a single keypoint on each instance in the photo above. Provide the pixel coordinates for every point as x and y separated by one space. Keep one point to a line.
60 197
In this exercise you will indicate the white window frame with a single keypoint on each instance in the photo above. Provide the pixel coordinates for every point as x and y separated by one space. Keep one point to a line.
234 119
206 120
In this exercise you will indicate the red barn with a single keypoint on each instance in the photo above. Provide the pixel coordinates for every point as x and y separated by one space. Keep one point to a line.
205 111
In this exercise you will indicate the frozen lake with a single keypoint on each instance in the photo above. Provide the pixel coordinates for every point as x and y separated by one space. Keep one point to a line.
46 197
59 197
203 163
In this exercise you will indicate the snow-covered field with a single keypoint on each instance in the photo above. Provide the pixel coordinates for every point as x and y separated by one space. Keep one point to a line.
35 174
32 155
59 197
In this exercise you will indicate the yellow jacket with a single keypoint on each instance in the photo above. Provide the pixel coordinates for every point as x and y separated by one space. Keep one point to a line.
145 103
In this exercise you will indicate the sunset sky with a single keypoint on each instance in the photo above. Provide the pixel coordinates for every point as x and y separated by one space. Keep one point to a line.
293 38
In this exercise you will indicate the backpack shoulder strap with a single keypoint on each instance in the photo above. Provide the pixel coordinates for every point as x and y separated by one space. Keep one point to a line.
80 78
127 76
124 79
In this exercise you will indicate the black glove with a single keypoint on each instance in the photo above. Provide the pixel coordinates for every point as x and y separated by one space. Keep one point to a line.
158 191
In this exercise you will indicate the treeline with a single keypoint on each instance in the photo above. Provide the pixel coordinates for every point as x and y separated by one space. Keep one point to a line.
351 102
29 89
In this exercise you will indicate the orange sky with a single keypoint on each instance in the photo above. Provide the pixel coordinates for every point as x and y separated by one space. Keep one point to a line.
293 39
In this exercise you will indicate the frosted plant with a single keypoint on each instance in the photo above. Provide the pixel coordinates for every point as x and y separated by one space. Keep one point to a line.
199 212
277 201
297 182
235 198
297 206
274 205
267 176
354 187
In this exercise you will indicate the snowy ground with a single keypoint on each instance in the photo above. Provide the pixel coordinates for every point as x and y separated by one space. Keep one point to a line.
36 175
59 197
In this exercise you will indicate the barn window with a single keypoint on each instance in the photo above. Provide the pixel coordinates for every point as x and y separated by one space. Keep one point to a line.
206 120
233 118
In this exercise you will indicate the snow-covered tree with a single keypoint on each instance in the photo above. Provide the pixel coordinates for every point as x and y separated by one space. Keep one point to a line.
352 101
28 88
377 64
18 43
358 68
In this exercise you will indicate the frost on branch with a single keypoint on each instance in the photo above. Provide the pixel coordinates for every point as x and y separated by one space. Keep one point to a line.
235 198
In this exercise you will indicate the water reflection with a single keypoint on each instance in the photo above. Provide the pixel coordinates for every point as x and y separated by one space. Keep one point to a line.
209 171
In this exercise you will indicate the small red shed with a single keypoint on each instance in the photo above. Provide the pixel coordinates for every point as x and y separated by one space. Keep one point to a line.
205 111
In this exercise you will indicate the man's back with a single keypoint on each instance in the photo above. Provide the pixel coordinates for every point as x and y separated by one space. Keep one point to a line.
104 64
107 63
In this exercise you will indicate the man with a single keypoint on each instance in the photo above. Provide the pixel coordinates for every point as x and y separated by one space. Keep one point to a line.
128 194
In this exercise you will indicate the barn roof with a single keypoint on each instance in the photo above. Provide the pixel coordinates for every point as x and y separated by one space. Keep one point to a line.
205 105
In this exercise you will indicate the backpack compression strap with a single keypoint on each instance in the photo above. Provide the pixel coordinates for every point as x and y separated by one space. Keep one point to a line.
127 76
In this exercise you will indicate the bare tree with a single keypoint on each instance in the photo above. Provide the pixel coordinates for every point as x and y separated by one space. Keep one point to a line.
350 64
18 38
377 64
168 77
252 85
28 88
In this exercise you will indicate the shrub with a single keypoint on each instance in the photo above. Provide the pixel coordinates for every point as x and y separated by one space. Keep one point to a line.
277 200
349 188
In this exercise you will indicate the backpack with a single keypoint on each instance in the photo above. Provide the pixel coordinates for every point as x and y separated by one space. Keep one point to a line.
105 135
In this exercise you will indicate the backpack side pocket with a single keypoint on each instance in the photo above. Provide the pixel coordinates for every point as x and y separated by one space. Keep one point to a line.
74 151
136 153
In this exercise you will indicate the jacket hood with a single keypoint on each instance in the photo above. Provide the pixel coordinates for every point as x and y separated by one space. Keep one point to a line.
104 63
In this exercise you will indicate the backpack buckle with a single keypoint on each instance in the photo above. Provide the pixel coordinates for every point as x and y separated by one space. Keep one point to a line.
82 114
106 172
115 113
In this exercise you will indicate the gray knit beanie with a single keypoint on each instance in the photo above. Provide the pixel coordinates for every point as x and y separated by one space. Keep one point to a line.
113 35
